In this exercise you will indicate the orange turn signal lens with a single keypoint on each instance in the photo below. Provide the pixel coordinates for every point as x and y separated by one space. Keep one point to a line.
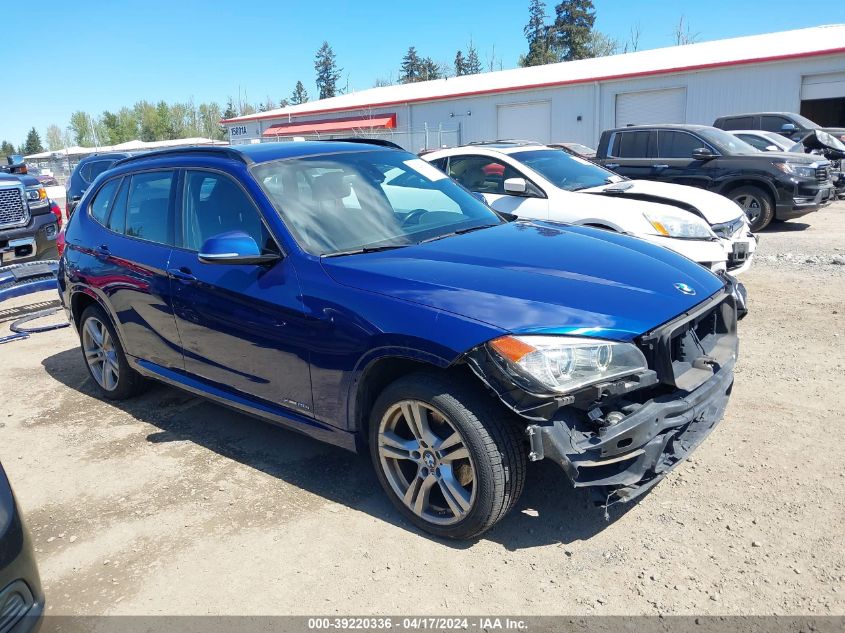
511 348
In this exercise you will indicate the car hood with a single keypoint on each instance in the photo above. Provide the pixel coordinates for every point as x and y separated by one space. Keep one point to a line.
538 277
714 208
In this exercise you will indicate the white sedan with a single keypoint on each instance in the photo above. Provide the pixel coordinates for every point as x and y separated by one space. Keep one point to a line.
536 181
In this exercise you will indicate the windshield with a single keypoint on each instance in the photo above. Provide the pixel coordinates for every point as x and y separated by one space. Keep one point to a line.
804 122
564 170
726 142
371 199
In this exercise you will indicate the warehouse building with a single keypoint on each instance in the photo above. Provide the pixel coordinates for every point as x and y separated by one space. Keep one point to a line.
795 71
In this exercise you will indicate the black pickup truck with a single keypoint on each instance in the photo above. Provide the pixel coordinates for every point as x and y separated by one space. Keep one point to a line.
28 228
767 185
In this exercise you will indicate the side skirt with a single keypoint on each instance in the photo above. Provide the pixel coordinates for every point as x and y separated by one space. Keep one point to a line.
261 409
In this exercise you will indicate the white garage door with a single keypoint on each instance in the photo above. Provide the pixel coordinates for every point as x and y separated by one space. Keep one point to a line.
827 86
526 121
651 106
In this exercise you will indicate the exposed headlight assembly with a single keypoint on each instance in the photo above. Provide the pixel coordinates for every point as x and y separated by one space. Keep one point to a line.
36 197
563 364
798 170
680 225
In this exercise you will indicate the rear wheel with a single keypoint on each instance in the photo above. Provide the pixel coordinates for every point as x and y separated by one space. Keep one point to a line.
756 204
446 454
105 358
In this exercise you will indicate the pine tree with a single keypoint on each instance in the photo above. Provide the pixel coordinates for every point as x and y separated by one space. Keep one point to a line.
429 70
327 71
32 145
411 67
538 35
574 20
230 112
299 94
6 149
473 64
460 64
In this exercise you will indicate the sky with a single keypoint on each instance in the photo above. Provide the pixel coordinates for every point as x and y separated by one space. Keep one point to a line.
101 55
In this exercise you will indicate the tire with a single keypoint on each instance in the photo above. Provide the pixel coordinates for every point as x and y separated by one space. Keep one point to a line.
487 461
105 359
757 205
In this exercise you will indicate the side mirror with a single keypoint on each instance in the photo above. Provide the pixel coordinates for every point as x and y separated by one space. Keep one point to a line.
516 186
234 247
702 153
788 128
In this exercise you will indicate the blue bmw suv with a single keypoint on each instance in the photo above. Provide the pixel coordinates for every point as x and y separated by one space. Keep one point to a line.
357 294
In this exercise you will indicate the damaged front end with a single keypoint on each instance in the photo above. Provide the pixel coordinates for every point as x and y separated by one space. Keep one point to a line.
620 436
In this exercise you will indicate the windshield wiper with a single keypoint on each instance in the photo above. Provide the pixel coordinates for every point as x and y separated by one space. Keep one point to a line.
458 232
366 249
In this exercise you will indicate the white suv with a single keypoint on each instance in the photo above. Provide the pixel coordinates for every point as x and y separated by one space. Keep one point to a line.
536 181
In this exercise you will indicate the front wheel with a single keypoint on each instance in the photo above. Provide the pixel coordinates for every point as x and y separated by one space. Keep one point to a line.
448 456
756 204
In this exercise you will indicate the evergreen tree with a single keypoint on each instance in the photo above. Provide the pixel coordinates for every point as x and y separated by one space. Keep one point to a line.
32 145
574 20
230 112
460 64
299 94
6 149
538 36
473 64
429 70
327 71
411 67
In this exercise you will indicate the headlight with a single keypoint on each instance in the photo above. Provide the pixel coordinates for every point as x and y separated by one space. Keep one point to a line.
686 225
36 196
561 364
798 170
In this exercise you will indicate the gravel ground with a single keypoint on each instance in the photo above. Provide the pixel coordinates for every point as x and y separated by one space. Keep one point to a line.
172 505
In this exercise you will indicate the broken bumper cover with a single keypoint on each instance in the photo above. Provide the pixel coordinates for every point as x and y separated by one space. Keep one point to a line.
627 459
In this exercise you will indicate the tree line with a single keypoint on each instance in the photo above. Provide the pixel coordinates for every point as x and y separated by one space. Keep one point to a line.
570 35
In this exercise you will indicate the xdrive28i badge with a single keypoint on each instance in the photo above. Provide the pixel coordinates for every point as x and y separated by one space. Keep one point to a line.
687 290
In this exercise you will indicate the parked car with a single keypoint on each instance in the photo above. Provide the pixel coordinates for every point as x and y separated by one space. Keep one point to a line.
768 186
85 172
822 143
789 124
21 596
28 228
576 149
535 181
764 141
355 293
47 180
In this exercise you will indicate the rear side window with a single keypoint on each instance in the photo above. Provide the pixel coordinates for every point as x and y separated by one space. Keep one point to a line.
102 202
755 141
149 212
674 144
215 204
632 144
738 123
117 217
773 123
91 170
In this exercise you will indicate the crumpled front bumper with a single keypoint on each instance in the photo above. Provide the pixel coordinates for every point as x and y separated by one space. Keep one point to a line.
627 459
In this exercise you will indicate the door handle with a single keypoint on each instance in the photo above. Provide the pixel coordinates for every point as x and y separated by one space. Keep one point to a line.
611 165
661 166
103 250
181 274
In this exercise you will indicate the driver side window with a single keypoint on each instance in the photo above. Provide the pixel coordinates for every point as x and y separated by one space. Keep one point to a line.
481 174
215 204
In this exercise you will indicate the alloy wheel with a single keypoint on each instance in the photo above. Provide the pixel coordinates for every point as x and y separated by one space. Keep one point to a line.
426 462
751 205
100 354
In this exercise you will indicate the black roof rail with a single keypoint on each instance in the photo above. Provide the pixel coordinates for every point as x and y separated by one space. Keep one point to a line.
369 141
505 141
191 150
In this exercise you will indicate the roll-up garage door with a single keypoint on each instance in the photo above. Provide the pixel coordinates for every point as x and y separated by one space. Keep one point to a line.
651 106
827 86
526 121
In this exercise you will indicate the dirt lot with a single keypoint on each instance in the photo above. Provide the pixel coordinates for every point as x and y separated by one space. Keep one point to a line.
171 505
